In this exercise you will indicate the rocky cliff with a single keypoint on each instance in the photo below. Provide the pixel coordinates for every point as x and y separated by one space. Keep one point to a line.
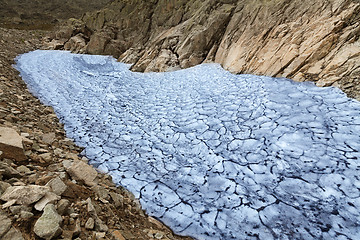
298 39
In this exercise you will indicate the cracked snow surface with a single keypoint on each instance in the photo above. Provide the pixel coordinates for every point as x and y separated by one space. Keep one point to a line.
212 154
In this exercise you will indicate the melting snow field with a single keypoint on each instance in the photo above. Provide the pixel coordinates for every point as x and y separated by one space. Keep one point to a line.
212 154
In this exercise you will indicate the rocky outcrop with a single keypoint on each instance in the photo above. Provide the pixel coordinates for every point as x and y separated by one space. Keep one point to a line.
303 40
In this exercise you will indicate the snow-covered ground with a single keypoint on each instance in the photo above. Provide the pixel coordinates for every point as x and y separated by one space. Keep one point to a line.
212 154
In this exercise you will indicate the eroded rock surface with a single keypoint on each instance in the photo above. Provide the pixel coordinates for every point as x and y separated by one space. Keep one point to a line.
212 154
301 39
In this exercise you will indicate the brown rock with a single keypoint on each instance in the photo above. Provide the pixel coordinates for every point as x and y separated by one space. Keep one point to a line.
83 172
11 144
116 235
13 234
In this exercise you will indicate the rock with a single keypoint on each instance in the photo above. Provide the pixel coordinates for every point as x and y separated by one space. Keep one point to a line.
49 197
3 187
116 235
91 208
26 214
25 195
77 229
100 235
100 225
19 208
48 225
13 234
63 206
83 172
57 186
48 138
5 224
47 157
90 224
7 171
23 170
11 144
118 199
76 44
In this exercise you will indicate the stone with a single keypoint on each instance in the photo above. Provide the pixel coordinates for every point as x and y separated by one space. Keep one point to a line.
48 138
7 171
77 229
25 195
23 169
118 199
47 157
57 186
5 224
83 172
13 234
90 224
63 206
48 225
91 208
3 187
11 144
100 225
19 208
49 197
26 214
100 235
116 235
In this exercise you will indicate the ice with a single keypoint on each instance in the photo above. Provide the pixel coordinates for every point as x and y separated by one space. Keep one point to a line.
212 154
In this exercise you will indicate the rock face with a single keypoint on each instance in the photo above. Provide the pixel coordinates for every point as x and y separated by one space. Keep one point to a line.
303 40
11 144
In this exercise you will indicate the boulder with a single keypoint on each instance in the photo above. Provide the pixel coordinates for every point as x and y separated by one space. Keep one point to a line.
11 144
25 195
48 225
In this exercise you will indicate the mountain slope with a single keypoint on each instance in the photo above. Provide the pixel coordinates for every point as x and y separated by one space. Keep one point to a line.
303 40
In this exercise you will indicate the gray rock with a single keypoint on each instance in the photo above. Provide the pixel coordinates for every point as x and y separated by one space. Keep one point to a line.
11 144
49 197
25 195
90 223
48 225
8 171
48 138
26 214
5 224
23 169
3 187
63 206
13 234
118 199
